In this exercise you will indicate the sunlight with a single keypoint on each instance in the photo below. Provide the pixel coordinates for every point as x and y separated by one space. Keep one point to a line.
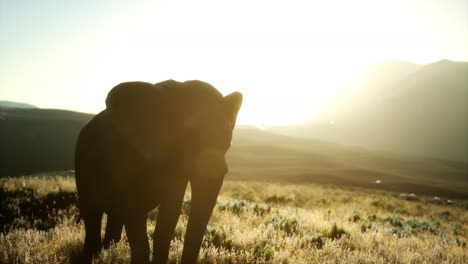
284 77
287 68
287 57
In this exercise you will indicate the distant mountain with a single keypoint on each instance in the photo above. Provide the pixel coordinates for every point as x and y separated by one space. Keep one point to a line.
421 111
11 104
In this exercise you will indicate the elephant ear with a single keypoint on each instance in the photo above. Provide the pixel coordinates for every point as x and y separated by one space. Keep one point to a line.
137 111
232 104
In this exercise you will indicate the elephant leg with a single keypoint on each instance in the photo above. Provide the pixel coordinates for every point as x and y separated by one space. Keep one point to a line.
113 230
135 226
92 223
204 195
168 215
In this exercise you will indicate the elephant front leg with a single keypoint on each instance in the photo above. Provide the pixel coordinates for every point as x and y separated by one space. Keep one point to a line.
204 196
168 215
135 227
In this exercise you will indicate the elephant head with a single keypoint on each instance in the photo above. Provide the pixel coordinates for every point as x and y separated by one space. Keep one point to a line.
210 136
189 125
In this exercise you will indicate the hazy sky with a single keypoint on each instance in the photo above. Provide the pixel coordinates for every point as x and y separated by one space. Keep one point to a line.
287 57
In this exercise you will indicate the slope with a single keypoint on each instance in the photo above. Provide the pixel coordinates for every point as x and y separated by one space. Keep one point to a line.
261 155
423 113
35 140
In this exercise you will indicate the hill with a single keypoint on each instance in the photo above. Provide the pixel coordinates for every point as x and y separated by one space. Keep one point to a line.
37 140
420 111
259 155
11 104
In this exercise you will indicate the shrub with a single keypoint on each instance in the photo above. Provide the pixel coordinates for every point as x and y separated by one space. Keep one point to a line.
263 250
405 228
317 241
395 221
336 232
372 217
23 208
420 225
365 226
235 206
218 238
288 225
261 209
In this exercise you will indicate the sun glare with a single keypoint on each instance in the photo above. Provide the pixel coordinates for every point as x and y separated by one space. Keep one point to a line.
288 58
287 68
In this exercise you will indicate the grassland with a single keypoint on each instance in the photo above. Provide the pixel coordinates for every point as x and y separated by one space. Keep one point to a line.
253 222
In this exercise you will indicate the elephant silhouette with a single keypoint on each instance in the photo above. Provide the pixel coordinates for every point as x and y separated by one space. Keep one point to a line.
141 152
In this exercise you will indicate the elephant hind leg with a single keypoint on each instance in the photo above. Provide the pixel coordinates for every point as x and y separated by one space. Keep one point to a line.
92 223
113 230
135 227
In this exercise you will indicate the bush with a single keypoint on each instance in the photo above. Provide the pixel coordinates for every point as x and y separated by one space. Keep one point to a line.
336 232
261 209
365 226
263 250
218 238
372 217
420 226
395 221
406 228
317 241
288 225
235 206
23 208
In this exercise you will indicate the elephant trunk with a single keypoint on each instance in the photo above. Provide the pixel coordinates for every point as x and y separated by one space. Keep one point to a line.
204 195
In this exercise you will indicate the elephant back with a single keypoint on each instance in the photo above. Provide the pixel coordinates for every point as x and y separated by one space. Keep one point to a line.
154 118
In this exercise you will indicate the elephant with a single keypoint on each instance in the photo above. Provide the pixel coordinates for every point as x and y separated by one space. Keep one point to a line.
141 152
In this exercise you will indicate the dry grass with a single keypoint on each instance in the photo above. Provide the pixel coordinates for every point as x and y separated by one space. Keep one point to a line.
254 222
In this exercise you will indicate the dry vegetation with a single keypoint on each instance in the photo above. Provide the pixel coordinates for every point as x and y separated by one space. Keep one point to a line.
253 222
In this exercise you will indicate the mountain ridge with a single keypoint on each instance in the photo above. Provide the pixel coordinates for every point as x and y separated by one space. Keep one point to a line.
12 104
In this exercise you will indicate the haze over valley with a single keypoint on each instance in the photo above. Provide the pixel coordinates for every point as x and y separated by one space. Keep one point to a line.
399 107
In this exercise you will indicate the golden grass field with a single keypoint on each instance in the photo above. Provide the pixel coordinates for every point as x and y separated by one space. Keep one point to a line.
254 222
